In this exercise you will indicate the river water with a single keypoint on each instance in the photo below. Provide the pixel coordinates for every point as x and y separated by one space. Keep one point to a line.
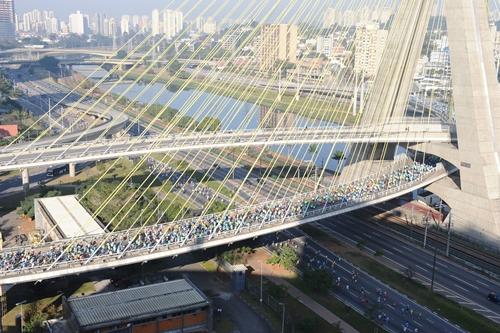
233 114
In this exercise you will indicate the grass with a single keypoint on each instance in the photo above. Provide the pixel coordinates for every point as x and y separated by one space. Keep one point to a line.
356 320
223 325
456 313
209 266
301 317
215 184
9 320
307 106
85 289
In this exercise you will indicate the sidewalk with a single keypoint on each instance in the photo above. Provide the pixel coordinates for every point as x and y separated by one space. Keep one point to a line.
276 274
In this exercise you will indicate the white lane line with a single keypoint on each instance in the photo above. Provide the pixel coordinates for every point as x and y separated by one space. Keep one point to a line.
484 284
390 252
465 282
421 268
460 287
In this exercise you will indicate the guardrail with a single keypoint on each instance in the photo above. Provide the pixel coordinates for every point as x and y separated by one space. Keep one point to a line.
241 229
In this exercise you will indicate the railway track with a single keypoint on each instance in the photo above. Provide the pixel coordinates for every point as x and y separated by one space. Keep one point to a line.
460 249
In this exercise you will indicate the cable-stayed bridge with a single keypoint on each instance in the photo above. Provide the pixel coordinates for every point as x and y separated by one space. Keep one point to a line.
395 132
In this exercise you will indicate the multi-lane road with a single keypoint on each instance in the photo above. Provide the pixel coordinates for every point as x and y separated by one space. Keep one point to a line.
452 280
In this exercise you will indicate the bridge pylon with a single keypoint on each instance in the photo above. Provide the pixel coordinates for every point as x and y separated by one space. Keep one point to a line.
474 196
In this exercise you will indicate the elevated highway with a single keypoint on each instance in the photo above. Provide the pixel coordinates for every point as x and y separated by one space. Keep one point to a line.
254 228
406 132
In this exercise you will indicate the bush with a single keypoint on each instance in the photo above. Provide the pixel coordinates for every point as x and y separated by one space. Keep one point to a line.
286 257
318 280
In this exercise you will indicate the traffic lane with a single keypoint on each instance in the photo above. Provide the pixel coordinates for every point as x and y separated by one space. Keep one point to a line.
391 243
436 323
454 282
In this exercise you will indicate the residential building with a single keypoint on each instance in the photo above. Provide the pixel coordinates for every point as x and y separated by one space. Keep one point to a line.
210 26
125 24
76 23
278 43
330 17
169 26
325 45
369 45
7 21
155 22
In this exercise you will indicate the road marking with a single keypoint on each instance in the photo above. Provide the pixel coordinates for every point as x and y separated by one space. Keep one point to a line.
420 267
482 283
467 283
456 285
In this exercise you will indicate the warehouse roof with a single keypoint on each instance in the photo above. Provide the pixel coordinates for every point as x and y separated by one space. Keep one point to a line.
136 303
70 216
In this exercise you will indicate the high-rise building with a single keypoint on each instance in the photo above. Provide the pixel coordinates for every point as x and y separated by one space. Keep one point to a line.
278 42
199 23
324 45
7 21
125 24
144 24
179 21
76 23
155 22
169 23
209 26
369 45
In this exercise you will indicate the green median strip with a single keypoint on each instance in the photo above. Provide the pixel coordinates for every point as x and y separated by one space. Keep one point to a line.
454 312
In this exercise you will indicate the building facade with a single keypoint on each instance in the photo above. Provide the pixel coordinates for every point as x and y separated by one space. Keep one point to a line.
369 45
7 21
278 43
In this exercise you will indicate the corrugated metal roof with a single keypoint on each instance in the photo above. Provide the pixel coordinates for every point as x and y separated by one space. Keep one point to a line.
134 303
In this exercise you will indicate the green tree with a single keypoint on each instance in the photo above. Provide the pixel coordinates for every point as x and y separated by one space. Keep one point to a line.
286 257
49 63
318 280
210 124
121 54
338 155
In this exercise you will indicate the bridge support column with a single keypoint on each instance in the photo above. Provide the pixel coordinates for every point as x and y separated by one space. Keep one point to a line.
25 178
3 302
72 169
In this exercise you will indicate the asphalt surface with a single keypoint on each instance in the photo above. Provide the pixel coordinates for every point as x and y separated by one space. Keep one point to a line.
390 309
452 280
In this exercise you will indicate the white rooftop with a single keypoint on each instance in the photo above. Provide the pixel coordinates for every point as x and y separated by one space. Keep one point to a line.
70 216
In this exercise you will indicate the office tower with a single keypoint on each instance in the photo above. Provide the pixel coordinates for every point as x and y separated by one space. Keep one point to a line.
7 21
155 22
369 46
76 23
179 21
278 43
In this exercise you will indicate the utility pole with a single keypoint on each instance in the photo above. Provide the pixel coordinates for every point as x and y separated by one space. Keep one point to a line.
261 282
433 269
283 319
425 233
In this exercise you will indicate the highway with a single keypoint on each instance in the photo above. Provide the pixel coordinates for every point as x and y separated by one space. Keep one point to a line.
17 157
362 292
452 280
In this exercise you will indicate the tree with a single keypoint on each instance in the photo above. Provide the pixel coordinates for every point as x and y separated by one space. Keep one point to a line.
318 280
210 124
338 155
121 54
286 257
49 63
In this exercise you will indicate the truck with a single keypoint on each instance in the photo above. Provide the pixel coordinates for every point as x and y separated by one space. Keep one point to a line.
55 171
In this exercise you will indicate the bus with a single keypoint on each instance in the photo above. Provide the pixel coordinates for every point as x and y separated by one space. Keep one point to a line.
54 171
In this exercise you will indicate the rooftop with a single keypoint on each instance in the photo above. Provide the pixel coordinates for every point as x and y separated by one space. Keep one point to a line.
70 216
136 303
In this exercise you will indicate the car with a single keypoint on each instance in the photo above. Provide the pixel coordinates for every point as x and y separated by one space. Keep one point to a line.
492 297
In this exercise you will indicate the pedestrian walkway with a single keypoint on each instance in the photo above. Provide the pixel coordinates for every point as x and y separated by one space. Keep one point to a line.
275 274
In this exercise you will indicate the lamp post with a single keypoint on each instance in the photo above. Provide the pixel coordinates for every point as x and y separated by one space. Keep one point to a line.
261 281
283 318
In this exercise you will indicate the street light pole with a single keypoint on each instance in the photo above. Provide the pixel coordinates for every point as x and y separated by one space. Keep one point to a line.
261 282
449 235
283 319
